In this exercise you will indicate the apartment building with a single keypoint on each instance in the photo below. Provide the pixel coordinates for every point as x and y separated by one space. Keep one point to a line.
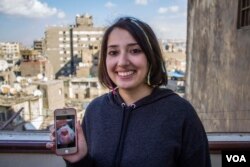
82 88
52 93
10 51
174 54
31 113
38 46
175 61
1 52
79 91
7 76
33 64
74 49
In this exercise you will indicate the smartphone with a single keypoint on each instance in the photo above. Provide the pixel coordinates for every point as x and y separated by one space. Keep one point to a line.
65 131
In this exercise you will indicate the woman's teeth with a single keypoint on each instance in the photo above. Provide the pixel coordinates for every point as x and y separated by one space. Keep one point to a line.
124 74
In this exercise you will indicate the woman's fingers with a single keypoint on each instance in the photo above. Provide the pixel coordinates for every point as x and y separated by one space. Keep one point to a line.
52 133
52 129
79 131
82 145
52 137
51 145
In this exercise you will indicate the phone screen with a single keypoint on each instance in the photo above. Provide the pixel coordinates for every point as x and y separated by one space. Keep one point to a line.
65 131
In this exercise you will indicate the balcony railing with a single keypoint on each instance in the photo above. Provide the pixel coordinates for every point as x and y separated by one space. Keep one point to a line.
35 141
29 148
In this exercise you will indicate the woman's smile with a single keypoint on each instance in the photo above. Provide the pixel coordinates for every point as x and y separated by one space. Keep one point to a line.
125 73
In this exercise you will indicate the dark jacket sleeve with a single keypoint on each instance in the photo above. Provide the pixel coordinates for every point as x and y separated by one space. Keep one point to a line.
195 148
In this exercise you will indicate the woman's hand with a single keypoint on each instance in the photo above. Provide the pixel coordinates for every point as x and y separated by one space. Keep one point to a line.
81 144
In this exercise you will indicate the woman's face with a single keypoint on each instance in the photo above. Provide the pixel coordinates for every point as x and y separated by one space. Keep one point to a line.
126 63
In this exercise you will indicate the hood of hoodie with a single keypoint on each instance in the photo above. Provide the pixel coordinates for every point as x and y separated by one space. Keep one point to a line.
114 98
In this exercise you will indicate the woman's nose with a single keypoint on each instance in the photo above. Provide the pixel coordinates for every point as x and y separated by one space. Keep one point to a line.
123 59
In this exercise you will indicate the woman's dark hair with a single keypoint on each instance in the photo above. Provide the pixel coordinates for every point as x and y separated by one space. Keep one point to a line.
146 39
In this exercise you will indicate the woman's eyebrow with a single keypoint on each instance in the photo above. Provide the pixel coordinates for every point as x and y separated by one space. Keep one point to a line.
132 44
114 46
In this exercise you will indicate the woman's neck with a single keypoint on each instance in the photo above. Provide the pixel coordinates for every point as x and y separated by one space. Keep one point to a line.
130 96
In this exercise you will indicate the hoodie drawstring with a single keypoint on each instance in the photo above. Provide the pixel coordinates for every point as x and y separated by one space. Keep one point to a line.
125 120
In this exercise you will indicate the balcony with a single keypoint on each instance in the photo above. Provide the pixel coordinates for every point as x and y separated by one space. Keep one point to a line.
28 148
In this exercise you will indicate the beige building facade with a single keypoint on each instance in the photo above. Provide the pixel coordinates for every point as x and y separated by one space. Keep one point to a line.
174 54
175 61
79 91
218 64
38 46
33 64
32 111
10 51
1 52
74 48
52 93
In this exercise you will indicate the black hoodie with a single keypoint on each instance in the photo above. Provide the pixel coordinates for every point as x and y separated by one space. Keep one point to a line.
160 130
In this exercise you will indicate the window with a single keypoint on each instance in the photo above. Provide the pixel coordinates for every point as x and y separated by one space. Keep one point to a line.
244 14
90 47
2 117
44 93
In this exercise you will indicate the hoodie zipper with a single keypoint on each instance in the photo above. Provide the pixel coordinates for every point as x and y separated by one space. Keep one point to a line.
125 120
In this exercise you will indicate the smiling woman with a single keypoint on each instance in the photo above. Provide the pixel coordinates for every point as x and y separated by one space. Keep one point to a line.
137 123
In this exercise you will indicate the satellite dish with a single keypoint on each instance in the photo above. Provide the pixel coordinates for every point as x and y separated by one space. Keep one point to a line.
37 93
5 89
18 79
29 80
18 87
3 65
45 79
40 76
13 91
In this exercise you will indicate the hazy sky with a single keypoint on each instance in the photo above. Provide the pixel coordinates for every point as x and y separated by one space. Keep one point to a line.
25 20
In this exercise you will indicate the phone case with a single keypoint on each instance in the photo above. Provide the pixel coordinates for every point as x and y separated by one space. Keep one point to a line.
65 131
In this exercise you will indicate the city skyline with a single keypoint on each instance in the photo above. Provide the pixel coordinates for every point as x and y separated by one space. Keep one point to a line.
26 20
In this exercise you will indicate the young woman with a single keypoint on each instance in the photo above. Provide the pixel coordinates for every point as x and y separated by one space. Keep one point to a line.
137 124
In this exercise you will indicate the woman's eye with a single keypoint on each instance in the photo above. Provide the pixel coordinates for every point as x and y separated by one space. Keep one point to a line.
112 52
135 51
